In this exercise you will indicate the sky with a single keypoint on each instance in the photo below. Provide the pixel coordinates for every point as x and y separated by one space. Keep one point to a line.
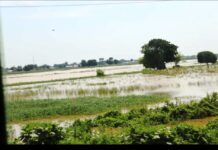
52 35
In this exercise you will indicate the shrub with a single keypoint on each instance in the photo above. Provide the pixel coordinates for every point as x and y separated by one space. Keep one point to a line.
104 139
212 131
79 132
100 73
151 136
134 113
158 118
113 114
44 133
213 124
181 134
110 122
180 112
187 134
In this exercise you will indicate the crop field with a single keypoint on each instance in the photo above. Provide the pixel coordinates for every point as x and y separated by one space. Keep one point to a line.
129 101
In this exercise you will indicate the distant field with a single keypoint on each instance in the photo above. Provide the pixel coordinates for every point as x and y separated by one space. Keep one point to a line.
66 74
60 75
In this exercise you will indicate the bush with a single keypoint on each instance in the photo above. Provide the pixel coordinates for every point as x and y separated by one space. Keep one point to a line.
187 134
206 57
44 133
180 113
100 73
181 134
104 139
134 113
212 130
113 114
78 133
110 122
151 136
213 124
159 118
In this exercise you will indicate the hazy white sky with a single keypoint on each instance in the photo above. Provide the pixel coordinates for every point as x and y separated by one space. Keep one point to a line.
91 32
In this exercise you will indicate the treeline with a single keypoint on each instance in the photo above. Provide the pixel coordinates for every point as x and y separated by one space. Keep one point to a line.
109 61
83 63
28 67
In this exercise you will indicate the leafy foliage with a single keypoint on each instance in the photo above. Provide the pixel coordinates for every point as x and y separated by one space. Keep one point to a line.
100 73
139 126
158 52
206 57
41 134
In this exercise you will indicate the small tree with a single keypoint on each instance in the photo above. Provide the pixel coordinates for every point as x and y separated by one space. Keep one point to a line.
100 73
178 59
206 57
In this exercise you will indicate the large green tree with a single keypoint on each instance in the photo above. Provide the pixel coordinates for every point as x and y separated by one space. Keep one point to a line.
206 57
157 52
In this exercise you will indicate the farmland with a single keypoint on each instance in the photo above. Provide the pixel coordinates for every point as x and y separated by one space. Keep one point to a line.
106 104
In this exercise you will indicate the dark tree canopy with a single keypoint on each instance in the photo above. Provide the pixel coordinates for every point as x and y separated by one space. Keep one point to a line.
63 65
92 62
116 61
158 52
206 57
44 67
110 61
29 67
83 63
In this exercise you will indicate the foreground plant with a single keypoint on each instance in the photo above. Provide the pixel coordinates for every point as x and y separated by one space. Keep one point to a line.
41 134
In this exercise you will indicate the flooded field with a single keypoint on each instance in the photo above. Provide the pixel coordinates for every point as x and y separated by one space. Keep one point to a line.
192 85
76 73
181 86
66 74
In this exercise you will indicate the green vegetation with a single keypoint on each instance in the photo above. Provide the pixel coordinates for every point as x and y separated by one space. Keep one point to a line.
143 126
35 109
100 73
178 58
94 84
206 57
45 134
